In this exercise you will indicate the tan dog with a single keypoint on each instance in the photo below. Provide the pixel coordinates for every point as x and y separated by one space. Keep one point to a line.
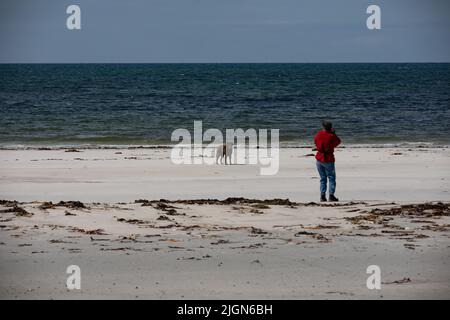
224 151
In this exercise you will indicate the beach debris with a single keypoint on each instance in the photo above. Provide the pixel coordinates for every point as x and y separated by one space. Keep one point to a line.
227 201
74 250
424 210
313 235
321 226
164 218
243 209
383 216
168 226
363 235
220 241
257 231
332 205
175 247
71 204
256 261
372 218
191 227
46 205
191 258
132 221
67 213
145 202
130 238
152 235
173 212
161 205
68 204
52 226
8 203
410 246
260 206
25 245
98 239
404 280
72 150
18 211
436 227
55 241
100 232
121 249
251 246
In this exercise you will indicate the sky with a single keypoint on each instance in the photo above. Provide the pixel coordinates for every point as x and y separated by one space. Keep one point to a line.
224 31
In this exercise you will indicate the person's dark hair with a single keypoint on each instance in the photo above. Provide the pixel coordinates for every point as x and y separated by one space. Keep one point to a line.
327 125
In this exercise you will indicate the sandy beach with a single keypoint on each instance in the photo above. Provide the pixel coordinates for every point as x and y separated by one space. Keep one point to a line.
115 117
117 175
141 227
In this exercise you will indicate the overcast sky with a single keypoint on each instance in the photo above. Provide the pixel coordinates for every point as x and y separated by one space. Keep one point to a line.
224 31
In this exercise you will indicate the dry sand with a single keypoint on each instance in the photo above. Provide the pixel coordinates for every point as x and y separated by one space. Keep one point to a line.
223 249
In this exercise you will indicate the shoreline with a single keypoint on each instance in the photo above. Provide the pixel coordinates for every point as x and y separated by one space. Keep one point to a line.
49 147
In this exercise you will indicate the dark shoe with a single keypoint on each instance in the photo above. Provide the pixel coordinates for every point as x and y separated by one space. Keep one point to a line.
323 198
333 198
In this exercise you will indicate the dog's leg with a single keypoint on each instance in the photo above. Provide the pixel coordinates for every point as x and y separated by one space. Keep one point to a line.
229 152
224 152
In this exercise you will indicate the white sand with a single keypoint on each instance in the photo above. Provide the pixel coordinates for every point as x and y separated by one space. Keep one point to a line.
211 251
104 176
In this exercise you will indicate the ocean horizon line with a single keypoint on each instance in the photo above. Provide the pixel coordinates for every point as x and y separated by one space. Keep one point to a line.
215 63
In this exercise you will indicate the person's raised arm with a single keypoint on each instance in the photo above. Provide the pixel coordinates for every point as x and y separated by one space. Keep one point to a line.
337 140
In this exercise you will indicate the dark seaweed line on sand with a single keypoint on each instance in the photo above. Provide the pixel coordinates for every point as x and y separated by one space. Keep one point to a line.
241 200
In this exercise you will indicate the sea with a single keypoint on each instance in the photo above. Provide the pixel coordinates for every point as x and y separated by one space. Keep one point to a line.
101 105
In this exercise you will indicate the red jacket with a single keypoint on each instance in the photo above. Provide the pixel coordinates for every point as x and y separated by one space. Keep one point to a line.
325 143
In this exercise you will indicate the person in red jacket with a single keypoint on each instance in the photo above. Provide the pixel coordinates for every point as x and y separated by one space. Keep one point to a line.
326 140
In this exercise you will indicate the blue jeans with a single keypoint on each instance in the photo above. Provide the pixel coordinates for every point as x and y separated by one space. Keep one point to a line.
327 171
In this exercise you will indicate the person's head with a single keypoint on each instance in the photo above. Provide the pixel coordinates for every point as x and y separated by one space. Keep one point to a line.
327 125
